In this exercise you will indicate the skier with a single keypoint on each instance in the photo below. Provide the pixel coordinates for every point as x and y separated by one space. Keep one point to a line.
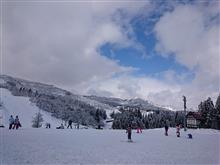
129 130
11 122
178 130
17 123
139 128
70 124
167 124
47 125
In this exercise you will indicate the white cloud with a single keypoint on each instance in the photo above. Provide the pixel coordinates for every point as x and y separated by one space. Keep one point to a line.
59 43
190 34
126 86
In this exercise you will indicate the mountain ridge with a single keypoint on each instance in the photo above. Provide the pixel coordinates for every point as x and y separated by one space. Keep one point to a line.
67 105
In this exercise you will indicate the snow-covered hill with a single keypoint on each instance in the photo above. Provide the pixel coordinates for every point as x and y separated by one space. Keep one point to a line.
64 105
58 102
21 106
51 146
137 102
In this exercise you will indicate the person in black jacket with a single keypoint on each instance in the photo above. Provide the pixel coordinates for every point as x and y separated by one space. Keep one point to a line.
70 124
129 130
167 124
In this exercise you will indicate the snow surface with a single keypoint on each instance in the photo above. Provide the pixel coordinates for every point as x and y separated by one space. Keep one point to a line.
21 106
90 146
51 146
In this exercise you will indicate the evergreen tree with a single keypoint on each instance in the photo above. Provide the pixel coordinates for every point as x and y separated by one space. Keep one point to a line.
217 105
207 110
37 120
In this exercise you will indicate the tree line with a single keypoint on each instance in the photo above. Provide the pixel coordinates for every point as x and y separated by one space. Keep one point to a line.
147 120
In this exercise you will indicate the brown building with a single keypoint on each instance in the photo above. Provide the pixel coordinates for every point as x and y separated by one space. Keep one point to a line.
193 119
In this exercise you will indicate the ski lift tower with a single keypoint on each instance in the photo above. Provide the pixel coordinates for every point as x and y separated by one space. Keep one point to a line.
1 118
184 101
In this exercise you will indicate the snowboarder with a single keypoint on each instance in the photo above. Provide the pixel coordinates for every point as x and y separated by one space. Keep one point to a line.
178 130
167 124
129 130
70 124
11 122
17 123
60 127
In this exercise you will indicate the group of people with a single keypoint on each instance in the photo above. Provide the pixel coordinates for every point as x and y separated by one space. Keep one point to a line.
14 123
178 127
70 122
167 124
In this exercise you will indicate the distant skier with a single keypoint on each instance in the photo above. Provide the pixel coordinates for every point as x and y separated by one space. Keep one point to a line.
70 124
47 125
17 123
11 122
190 136
60 127
129 130
139 128
167 124
178 130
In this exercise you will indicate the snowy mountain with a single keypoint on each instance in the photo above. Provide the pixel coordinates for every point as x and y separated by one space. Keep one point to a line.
62 104
137 102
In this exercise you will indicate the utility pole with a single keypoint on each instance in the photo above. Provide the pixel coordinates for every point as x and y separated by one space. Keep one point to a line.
184 101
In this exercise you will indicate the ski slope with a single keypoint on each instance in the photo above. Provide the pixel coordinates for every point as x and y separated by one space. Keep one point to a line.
29 145
72 146
21 106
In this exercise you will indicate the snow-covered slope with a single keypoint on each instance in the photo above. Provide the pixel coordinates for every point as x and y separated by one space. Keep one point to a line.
21 106
66 105
137 102
51 146
45 89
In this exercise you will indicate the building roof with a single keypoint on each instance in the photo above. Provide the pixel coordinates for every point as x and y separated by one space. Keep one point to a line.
196 115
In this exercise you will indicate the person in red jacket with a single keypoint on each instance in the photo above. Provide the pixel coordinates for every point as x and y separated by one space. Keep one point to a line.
17 123
178 130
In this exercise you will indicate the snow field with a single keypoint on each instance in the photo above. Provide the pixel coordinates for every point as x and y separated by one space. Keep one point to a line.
51 146
89 146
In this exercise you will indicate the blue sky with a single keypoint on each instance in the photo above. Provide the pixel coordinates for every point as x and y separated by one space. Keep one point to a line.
147 61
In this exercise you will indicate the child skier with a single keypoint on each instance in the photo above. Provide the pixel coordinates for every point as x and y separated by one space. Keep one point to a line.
139 128
129 130
17 123
178 130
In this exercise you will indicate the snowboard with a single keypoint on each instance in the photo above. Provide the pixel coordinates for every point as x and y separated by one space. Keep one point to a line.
128 141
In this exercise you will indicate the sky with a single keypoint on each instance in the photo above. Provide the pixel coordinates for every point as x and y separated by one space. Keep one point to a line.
154 50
